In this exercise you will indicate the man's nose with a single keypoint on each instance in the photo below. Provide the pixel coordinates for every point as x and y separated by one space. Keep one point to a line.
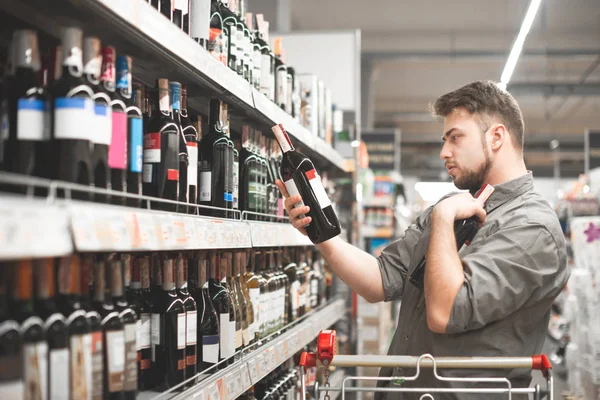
445 153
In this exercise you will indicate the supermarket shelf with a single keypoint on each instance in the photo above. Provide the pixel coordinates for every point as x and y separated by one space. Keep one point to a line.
159 48
53 226
234 380
374 232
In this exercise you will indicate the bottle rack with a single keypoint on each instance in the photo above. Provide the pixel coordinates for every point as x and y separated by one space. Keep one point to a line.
255 364
159 48
53 226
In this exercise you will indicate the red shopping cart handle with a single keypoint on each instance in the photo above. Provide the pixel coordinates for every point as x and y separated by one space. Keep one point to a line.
326 349
541 363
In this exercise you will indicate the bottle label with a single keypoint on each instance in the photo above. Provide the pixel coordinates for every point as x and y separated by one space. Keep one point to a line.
266 78
181 328
117 153
130 358
282 87
175 96
253 189
315 182
224 335
145 332
12 389
36 370
314 292
236 184
292 189
155 326
239 339
102 124
172 174
152 147
30 119
246 337
294 298
232 341
147 173
199 19
73 117
255 300
192 327
97 354
205 186
59 374
210 349
81 366
136 146
115 349
192 170
215 44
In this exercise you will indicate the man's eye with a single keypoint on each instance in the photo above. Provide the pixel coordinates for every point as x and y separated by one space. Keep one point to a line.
455 138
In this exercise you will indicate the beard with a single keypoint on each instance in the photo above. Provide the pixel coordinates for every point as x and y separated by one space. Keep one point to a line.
473 180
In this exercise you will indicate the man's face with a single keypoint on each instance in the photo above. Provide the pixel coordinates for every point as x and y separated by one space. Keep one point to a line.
465 151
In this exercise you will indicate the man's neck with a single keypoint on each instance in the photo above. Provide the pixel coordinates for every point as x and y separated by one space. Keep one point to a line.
509 171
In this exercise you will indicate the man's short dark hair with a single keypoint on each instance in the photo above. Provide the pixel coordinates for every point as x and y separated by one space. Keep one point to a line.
485 100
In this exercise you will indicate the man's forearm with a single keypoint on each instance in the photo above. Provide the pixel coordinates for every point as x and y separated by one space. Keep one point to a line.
443 272
357 268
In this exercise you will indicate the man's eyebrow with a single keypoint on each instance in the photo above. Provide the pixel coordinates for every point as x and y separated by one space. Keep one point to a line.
448 133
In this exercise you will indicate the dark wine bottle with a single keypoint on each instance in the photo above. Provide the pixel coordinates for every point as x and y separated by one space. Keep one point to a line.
139 300
12 382
69 303
248 173
178 18
5 90
117 152
208 319
191 316
102 126
228 283
112 332
35 346
119 268
135 128
236 283
191 141
230 32
175 96
73 113
161 149
168 332
166 9
291 269
281 83
26 149
222 302
228 160
218 40
267 65
214 151
95 342
301 177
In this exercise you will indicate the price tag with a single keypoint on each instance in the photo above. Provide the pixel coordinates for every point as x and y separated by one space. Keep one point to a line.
190 233
222 387
245 381
263 367
149 239
179 232
84 229
201 231
168 231
229 233
213 392
231 386
286 349
278 356
199 395
119 225
254 369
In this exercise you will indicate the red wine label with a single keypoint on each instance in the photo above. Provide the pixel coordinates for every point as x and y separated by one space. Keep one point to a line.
152 147
36 370
236 184
217 46
115 350
191 336
155 332
180 364
181 328
97 386
224 335
145 332
30 119
192 170
173 174
81 366
59 371
130 358
190 360
145 364
205 188
117 152
210 349
315 183
102 126
292 189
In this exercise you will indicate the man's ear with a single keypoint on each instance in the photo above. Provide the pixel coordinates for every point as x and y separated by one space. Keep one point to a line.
499 135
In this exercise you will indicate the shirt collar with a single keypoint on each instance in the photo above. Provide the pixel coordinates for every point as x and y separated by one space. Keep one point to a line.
509 190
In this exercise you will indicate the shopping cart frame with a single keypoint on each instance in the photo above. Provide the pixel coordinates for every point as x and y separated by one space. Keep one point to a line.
326 357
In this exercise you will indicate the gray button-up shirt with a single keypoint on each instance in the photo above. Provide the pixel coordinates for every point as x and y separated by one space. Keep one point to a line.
514 268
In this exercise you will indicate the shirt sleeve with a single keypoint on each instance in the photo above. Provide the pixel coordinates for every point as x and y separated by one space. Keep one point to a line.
512 268
394 260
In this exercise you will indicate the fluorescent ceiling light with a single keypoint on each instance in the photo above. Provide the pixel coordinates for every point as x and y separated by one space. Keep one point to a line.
515 52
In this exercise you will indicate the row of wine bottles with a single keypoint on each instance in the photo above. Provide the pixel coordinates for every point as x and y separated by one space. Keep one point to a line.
240 40
91 128
104 326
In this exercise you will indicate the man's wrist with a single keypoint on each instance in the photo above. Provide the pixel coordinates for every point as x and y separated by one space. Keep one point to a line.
442 215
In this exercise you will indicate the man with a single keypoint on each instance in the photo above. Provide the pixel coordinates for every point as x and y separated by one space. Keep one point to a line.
493 297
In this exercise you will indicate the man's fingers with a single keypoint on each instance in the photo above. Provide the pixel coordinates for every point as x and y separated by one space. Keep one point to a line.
300 223
296 212
291 201
282 188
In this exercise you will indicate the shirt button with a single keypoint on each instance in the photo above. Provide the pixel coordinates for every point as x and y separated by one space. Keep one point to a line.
405 337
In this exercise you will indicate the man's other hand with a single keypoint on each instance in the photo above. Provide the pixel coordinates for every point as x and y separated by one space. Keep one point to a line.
460 206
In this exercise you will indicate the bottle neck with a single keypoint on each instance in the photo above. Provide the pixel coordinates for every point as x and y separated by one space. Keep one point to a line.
168 281
99 281
184 100
44 279
175 95
92 59
124 84
71 50
116 279
108 74
23 289
69 281
25 50
180 273
157 270
126 271
161 97
282 138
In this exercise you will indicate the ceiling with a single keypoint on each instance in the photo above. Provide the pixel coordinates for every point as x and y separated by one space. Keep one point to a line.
414 51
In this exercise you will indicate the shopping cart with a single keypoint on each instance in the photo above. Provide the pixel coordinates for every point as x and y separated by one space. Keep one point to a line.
326 357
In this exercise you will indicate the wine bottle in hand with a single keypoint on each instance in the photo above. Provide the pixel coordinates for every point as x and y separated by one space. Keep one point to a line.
300 177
